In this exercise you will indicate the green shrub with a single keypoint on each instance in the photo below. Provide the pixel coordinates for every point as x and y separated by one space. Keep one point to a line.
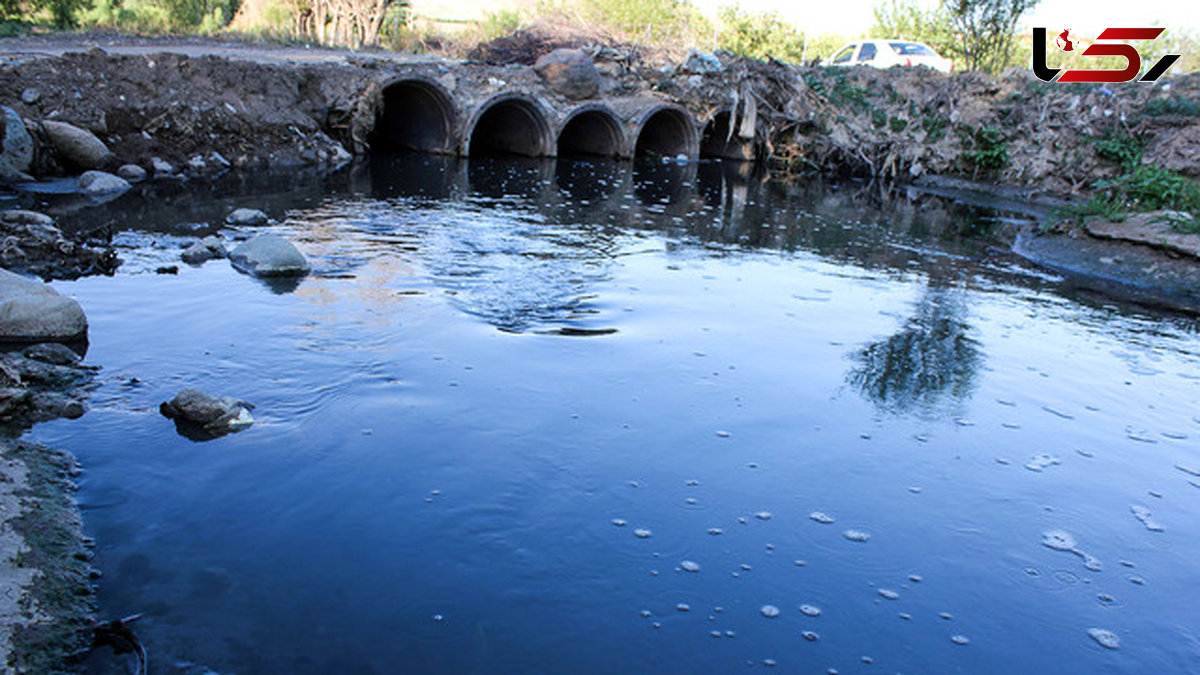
1121 149
989 147
1152 187
759 35
1172 106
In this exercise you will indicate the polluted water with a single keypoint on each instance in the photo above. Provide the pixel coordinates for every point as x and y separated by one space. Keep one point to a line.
826 370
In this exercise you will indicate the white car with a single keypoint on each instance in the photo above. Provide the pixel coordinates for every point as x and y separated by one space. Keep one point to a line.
888 53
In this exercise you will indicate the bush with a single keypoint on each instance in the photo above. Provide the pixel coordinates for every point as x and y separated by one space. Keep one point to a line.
990 147
759 35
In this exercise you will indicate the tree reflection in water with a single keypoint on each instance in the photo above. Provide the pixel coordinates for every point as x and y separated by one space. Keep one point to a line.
930 359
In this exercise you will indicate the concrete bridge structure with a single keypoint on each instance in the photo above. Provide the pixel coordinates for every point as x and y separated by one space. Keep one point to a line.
414 112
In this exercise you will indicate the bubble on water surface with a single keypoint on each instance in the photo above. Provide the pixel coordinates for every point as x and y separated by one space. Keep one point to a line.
769 611
916 578
809 635
763 515
715 531
906 616
1174 435
693 483
1139 581
889 594
646 614
1059 540
1085 453
438 618
683 607
799 563
691 500
1105 638
946 615
810 610
723 434
821 517
1002 401
619 522
715 633
961 640
915 490
770 663
1143 515
689 566
1041 462
856 535
642 533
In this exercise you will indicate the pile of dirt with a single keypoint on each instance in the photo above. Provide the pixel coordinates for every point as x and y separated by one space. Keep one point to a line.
525 45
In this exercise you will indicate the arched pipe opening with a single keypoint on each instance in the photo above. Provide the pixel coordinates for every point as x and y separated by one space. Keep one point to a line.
416 116
666 131
722 140
591 132
510 126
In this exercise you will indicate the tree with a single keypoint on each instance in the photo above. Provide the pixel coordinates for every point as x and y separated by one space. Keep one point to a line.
759 35
908 21
985 30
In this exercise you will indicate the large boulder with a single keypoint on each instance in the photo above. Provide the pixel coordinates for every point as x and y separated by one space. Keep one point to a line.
269 255
31 311
96 183
16 153
569 72
78 148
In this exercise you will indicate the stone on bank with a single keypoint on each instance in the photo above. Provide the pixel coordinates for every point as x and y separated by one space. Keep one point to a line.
31 311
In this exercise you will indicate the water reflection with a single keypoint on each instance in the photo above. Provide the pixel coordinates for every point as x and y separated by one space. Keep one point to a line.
931 360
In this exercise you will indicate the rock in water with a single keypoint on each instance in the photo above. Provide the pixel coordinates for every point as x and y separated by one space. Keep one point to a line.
101 183
569 72
31 311
246 217
269 255
204 250
200 416
17 152
77 147
132 173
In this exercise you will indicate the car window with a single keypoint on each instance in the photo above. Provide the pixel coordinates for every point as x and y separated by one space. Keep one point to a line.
911 49
868 52
845 55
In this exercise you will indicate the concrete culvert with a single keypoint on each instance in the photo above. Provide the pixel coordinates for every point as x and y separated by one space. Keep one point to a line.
591 133
417 117
511 126
667 132
717 141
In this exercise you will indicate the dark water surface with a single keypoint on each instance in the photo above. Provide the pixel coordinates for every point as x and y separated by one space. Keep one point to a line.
499 372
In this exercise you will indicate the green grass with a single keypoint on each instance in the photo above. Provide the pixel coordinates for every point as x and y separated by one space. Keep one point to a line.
1172 106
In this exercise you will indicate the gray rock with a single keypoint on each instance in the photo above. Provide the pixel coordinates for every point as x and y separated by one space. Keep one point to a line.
702 63
162 167
219 159
570 72
31 311
17 152
30 96
52 353
132 173
100 183
22 217
204 250
269 255
77 147
213 414
246 217
197 163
